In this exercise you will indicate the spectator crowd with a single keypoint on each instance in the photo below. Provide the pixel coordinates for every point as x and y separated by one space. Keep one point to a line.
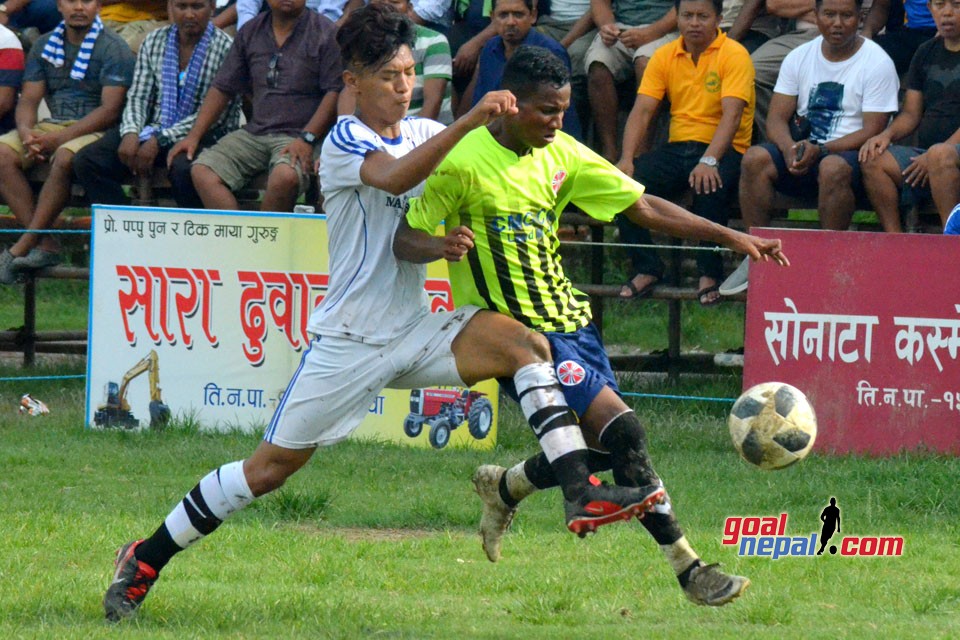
857 104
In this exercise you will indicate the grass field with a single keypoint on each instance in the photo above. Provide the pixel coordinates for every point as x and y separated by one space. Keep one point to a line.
377 540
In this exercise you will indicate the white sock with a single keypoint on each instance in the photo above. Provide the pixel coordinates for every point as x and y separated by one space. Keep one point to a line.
218 495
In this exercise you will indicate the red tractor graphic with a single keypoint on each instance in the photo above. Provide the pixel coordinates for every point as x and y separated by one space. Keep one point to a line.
443 410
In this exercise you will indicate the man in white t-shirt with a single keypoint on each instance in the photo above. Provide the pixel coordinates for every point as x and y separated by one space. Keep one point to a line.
844 88
373 329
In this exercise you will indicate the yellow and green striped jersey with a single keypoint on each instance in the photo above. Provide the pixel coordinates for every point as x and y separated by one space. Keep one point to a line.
512 203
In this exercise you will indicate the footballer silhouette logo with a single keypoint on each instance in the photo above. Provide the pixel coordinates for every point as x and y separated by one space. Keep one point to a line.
830 517
570 373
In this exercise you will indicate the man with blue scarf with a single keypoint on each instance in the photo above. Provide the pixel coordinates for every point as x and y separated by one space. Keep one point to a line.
82 71
175 68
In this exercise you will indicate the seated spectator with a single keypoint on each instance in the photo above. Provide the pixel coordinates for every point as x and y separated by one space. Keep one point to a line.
11 77
134 19
174 70
629 32
901 38
845 88
513 20
431 89
82 70
336 10
708 80
768 57
433 14
471 30
570 22
41 15
289 62
748 22
931 107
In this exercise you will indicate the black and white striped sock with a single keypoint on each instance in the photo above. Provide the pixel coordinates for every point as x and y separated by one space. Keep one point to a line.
215 498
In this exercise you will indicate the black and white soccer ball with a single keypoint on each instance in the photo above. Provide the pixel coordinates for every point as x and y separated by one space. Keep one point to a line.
773 425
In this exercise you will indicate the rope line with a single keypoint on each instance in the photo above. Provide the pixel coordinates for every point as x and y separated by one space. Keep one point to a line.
627 245
42 231
631 394
70 377
663 396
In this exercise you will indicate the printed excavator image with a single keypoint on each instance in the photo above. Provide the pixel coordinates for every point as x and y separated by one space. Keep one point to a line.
116 413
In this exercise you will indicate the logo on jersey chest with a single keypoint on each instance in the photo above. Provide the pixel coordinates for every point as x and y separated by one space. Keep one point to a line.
570 373
398 202
558 177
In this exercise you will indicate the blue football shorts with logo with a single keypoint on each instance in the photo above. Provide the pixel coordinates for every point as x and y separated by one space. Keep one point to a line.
581 364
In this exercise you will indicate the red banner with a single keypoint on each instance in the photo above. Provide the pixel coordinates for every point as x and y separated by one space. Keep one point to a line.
867 325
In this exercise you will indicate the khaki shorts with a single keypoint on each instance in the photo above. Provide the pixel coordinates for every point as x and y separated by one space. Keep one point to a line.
12 140
618 58
339 379
240 156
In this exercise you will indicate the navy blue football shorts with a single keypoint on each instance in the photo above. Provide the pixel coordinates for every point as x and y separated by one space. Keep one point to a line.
581 364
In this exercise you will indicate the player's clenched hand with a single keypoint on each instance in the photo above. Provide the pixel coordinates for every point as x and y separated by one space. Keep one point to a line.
457 243
492 105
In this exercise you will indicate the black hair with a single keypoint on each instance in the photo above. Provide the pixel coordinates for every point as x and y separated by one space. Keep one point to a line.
372 35
529 3
530 67
817 4
717 5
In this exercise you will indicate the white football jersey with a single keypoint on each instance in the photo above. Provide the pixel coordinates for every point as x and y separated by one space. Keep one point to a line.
372 296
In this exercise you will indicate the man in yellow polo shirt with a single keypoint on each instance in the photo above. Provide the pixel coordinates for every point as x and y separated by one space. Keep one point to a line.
709 81
132 20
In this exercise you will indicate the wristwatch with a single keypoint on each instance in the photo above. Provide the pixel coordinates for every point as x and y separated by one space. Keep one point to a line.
824 152
710 161
309 138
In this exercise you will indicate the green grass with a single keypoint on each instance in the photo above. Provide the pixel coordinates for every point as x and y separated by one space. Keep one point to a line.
61 305
378 540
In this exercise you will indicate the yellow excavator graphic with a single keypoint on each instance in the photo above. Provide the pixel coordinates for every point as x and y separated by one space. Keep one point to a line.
116 411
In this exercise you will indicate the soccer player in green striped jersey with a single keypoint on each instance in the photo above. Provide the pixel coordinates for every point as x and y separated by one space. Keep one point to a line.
507 183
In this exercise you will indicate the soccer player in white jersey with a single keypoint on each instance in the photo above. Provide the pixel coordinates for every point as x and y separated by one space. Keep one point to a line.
373 329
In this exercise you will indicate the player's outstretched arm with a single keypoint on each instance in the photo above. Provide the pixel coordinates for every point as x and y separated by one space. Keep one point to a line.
418 246
398 175
662 215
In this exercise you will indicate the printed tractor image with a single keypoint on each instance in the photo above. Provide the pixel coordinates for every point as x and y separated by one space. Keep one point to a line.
443 410
115 412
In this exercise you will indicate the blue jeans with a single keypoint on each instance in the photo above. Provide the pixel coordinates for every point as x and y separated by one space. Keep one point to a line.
665 172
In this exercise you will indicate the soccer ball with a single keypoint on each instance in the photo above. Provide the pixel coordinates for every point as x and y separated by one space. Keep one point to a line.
773 425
